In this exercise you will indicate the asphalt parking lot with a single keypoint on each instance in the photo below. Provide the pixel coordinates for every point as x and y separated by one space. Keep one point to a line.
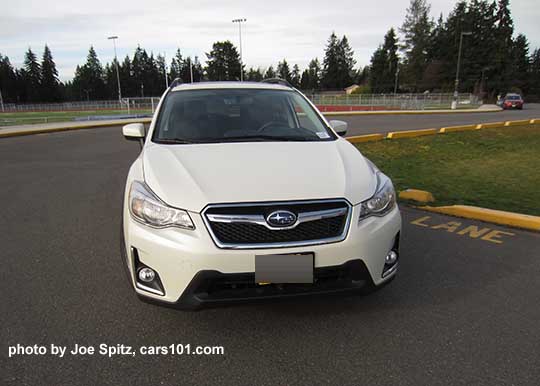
462 311
368 124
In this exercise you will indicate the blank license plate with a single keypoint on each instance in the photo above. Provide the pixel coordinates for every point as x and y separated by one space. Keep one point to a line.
293 268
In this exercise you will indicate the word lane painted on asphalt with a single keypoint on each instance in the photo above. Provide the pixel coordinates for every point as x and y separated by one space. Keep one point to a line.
464 229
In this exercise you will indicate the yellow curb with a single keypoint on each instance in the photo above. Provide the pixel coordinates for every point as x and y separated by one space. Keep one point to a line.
416 195
493 125
489 215
4 133
534 121
408 112
517 123
411 133
453 129
365 138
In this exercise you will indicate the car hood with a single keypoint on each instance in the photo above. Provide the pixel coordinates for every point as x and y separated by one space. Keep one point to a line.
194 175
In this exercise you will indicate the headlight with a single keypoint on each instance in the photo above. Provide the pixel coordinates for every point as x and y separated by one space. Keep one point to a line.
382 201
147 208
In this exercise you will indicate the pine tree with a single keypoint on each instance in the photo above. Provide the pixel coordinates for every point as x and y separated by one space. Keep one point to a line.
283 70
126 81
110 80
177 64
89 78
32 76
152 77
390 46
254 75
520 64
338 63
304 80
270 73
416 31
223 62
330 70
186 70
50 85
347 62
8 81
534 74
295 76
378 78
314 69
331 64
161 66
139 69
198 71
504 31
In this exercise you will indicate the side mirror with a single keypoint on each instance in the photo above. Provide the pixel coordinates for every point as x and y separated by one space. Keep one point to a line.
134 132
340 127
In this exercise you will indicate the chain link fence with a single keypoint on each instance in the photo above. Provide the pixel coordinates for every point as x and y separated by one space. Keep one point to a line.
18 114
125 104
424 101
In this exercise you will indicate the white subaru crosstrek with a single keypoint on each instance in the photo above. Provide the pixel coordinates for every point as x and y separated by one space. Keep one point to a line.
244 191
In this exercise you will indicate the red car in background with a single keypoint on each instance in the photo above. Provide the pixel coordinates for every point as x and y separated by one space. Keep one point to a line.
513 101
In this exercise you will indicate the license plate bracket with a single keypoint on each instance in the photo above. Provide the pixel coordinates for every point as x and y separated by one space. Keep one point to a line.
285 268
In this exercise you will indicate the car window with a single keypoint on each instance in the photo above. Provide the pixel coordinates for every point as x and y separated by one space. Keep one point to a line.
307 118
513 97
222 115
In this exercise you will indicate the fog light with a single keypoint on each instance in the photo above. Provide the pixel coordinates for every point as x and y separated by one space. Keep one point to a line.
391 258
146 275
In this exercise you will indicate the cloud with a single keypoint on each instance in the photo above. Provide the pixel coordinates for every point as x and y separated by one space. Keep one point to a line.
297 30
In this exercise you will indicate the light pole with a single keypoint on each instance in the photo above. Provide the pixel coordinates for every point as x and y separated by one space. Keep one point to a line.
165 70
456 85
396 82
113 38
240 21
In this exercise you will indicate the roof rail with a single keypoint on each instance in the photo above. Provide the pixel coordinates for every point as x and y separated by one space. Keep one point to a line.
280 81
176 82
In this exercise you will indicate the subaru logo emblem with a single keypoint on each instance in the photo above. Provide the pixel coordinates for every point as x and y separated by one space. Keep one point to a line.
281 219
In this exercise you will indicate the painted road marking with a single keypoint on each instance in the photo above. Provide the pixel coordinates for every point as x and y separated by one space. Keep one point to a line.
473 231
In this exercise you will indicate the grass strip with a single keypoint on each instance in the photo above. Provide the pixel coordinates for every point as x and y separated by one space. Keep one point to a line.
495 168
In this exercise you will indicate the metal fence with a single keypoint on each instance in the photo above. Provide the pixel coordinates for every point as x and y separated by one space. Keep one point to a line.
398 101
136 107
422 101
125 104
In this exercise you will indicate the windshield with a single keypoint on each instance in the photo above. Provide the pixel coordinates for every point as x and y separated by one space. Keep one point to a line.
238 115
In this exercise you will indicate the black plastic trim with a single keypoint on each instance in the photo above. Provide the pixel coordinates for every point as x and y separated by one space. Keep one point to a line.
353 277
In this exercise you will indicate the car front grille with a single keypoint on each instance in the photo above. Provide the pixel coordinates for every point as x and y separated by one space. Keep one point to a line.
243 226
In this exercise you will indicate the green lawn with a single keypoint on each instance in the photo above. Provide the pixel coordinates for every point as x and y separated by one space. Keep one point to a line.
7 119
491 168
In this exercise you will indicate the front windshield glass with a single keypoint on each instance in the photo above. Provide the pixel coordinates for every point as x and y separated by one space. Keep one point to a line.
238 115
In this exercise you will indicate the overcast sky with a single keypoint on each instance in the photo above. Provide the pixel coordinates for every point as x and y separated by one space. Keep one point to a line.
295 30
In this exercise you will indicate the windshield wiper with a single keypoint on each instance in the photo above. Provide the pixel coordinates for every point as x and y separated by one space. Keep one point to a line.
248 138
239 138
174 140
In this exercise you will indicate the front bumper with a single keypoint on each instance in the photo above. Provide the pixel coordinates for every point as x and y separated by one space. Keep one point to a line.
194 271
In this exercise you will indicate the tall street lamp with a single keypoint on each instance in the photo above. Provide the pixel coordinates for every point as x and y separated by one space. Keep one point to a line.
456 85
165 70
396 80
240 21
113 38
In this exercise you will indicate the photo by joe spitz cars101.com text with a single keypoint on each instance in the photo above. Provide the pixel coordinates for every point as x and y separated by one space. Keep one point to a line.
244 191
